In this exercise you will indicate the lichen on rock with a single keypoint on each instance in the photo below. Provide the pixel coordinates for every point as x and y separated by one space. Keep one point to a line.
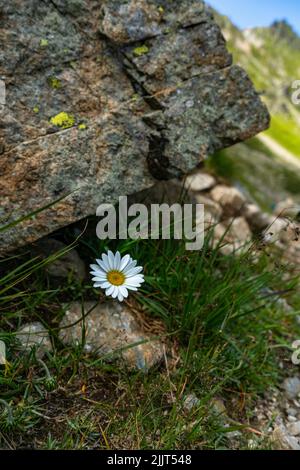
63 120
172 55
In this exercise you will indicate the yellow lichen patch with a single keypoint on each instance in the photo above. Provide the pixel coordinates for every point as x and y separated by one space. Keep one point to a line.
141 50
44 42
36 109
82 126
63 120
54 83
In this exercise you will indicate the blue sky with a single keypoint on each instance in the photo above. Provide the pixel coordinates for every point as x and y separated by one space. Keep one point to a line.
249 13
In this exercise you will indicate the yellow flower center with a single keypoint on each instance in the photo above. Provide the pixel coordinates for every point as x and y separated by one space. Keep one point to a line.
116 278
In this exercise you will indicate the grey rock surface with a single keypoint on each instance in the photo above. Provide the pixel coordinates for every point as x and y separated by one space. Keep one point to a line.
110 330
200 182
283 440
230 198
294 428
291 386
105 97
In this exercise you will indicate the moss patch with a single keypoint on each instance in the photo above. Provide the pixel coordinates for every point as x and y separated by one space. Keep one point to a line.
63 120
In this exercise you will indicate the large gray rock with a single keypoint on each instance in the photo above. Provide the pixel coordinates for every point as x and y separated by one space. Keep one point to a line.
109 330
105 97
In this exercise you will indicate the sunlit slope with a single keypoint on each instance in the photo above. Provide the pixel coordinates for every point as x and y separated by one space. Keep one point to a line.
267 166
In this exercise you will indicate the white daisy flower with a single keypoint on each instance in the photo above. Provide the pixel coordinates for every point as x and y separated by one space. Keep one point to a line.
117 275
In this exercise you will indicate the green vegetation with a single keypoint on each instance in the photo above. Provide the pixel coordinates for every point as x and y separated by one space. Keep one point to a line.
217 325
271 56
286 132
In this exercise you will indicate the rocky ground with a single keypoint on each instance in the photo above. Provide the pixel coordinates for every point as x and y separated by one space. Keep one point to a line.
111 329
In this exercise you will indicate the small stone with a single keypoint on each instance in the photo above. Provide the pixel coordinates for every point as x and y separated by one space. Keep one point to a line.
294 428
283 440
190 401
199 182
292 419
256 219
211 208
291 412
252 444
34 335
231 199
291 386
239 230
231 435
218 406
287 208
232 235
275 230
110 328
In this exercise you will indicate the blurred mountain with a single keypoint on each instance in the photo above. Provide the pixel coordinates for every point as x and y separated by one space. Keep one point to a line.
268 166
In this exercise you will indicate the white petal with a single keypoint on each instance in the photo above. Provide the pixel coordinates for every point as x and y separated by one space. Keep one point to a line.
111 259
133 283
98 284
98 272
129 266
102 263
94 267
99 279
110 290
123 291
134 280
117 261
131 288
124 261
105 284
115 292
136 277
120 297
106 261
133 271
